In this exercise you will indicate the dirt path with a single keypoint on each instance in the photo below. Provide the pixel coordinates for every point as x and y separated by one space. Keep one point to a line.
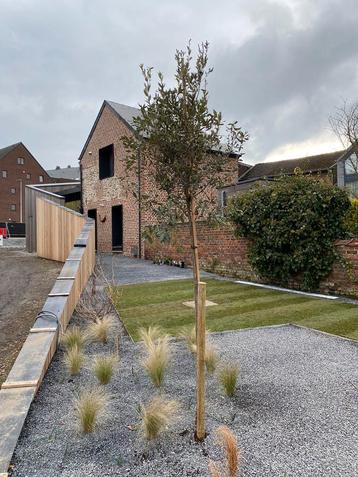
25 281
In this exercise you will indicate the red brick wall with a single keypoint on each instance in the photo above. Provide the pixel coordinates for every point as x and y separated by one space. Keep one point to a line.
17 179
103 194
224 254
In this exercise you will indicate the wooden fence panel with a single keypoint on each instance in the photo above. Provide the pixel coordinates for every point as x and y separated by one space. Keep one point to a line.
56 229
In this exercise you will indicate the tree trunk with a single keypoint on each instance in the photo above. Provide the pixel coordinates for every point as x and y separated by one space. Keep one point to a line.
200 298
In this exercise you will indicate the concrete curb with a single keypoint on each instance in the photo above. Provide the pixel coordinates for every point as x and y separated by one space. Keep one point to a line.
28 371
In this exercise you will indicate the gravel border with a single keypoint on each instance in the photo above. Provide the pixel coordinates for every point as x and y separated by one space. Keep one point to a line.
294 412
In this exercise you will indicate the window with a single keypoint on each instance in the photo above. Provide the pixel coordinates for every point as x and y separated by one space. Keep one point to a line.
351 165
106 162
224 198
21 160
12 190
41 178
13 207
4 174
28 176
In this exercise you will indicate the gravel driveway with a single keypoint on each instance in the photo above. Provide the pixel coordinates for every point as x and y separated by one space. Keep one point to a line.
24 284
295 412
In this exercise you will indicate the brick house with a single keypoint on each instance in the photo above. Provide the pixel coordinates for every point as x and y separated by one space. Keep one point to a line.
18 168
105 197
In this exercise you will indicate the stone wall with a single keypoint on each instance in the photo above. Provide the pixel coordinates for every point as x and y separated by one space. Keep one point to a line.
221 252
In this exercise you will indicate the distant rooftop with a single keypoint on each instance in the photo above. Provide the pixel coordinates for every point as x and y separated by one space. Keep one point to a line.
5 150
319 162
68 173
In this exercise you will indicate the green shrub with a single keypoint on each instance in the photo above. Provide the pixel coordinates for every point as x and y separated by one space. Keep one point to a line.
292 223
351 220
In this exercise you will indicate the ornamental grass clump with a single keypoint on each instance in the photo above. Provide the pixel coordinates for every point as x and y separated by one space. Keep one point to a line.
156 416
73 337
90 407
150 335
228 378
104 367
157 360
74 359
211 358
189 334
100 329
230 465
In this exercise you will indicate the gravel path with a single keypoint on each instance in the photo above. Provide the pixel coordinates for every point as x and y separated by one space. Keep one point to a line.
294 412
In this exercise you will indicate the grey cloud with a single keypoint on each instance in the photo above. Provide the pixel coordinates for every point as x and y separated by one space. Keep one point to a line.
279 67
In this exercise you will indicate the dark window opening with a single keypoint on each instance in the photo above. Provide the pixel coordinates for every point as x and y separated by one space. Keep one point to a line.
224 199
117 228
106 162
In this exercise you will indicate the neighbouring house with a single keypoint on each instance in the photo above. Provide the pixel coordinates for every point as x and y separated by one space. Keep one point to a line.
341 167
105 193
18 168
65 174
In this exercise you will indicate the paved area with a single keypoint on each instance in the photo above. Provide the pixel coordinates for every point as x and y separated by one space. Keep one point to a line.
294 412
25 281
14 242
127 270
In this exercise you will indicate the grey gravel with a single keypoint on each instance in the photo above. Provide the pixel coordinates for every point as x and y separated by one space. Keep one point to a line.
294 412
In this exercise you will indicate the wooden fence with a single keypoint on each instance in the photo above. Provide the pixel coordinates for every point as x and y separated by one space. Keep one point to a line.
66 236
56 229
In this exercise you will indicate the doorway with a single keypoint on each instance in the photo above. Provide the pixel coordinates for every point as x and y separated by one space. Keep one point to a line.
117 228
92 214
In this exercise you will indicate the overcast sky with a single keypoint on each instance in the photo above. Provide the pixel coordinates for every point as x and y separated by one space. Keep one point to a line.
280 67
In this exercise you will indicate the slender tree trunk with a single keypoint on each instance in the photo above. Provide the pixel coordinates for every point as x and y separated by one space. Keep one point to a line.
200 298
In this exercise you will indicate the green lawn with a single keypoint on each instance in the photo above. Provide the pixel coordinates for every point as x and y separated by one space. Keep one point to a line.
239 306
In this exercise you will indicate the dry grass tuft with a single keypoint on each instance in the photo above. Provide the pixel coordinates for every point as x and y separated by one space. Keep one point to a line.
189 334
214 469
228 378
157 360
150 335
74 360
90 406
211 358
73 337
100 329
230 466
104 367
156 416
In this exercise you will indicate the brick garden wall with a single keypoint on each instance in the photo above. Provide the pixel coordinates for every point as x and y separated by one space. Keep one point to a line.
222 253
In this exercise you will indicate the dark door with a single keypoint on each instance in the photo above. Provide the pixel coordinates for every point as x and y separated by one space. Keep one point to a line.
117 228
92 214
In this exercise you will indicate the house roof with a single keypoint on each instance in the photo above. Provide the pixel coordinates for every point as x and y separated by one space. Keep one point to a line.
126 114
72 173
321 162
5 150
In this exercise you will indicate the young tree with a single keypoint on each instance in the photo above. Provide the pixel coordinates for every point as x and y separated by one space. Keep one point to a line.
178 147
